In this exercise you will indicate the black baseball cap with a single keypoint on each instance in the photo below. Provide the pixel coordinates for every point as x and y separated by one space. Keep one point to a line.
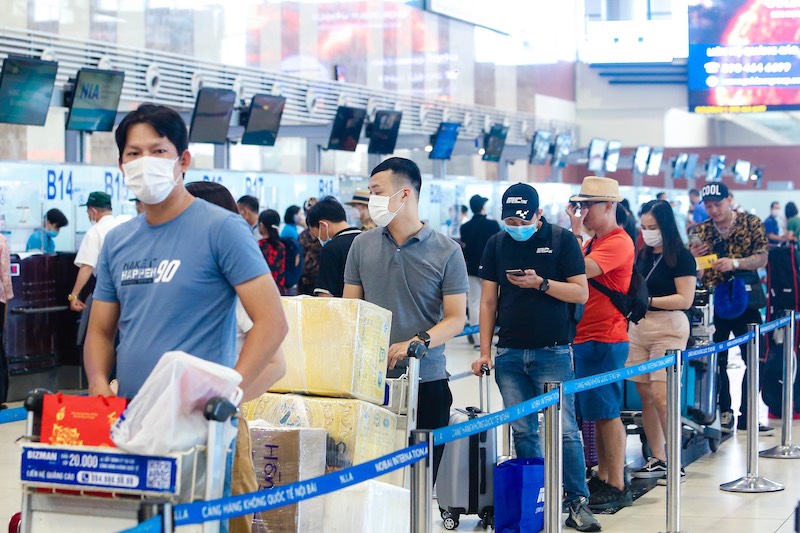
477 202
714 191
520 201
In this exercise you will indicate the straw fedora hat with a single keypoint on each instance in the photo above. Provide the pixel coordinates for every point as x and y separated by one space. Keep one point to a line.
596 189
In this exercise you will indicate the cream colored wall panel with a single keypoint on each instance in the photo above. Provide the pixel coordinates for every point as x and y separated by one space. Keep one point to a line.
75 19
505 83
131 27
682 128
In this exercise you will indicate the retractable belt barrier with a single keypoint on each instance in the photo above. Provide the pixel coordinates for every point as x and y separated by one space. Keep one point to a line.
226 508
16 414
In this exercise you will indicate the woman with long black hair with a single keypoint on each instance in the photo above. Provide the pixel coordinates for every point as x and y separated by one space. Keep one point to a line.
670 271
271 246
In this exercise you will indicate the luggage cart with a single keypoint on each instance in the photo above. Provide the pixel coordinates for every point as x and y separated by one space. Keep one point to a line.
92 488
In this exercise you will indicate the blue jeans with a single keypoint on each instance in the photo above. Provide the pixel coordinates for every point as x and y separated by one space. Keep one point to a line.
521 375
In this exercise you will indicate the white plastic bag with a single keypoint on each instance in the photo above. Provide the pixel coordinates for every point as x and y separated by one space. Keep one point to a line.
167 413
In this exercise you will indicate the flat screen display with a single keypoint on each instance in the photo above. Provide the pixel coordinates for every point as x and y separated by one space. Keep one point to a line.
26 86
640 159
691 166
346 128
561 148
212 116
679 166
445 140
493 142
612 156
94 106
264 120
744 56
597 152
716 166
654 161
741 171
540 147
384 131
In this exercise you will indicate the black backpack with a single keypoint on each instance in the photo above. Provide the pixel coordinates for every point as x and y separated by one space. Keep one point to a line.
783 279
293 259
633 304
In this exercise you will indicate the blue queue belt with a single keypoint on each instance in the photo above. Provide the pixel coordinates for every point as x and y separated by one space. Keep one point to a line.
16 414
703 351
775 324
153 525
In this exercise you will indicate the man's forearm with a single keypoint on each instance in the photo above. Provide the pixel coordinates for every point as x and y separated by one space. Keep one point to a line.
568 292
260 348
84 273
488 320
753 262
446 329
98 360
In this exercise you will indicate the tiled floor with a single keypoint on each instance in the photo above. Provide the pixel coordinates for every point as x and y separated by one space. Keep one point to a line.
705 507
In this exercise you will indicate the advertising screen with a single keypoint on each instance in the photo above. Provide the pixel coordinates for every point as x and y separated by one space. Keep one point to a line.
383 131
612 156
26 86
264 120
741 171
654 161
744 56
597 152
212 116
561 148
715 168
640 159
445 140
94 106
540 147
494 141
346 128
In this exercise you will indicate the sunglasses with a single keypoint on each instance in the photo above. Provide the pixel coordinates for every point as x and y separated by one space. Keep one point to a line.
587 205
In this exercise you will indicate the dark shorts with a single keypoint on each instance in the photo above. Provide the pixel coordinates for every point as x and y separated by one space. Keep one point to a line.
592 358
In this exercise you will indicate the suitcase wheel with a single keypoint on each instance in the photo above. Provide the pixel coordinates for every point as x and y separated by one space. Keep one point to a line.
450 521
487 519
713 444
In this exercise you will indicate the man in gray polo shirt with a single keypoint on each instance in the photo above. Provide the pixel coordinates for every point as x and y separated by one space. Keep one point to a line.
418 274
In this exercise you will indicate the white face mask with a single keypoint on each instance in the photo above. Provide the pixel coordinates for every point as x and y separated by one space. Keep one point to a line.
379 209
150 179
776 213
652 237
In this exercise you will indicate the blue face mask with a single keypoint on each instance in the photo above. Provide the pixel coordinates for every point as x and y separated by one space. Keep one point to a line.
521 233
51 233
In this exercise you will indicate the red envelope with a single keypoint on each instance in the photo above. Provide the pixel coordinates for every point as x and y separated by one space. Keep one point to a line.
80 420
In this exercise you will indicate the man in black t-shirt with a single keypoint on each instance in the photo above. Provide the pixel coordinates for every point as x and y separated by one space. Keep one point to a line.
531 273
327 221
474 235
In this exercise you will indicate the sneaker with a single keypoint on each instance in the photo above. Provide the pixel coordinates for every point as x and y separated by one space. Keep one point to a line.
662 481
595 484
764 431
471 339
610 497
654 468
726 422
476 347
580 517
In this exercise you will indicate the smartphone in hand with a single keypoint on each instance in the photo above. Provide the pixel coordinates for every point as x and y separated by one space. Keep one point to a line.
515 272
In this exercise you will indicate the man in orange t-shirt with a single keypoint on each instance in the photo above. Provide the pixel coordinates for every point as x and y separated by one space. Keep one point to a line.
601 342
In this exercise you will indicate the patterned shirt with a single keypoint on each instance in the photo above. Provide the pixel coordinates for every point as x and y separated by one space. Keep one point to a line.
747 237
276 261
311 249
6 292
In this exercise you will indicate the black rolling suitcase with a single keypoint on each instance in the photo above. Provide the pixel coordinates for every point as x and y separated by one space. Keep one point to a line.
465 483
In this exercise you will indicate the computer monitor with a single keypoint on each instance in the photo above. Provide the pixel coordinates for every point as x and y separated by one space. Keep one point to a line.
640 159
691 166
212 116
596 155
96 99
346 128
264 120
612 156
561 149
654 161
715 168
26 86
540 147
445 140
679 165
493 142
383 131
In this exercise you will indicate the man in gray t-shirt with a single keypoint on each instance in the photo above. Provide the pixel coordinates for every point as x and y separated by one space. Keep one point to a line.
418 274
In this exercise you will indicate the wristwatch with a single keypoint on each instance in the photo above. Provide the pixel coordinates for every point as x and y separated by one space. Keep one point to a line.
424 337
544 286
736 264
71 297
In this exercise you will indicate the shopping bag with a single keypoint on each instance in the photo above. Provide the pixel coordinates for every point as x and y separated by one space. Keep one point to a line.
167 414
80 420
519 496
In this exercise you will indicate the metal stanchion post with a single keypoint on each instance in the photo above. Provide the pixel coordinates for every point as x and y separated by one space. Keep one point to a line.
786 450
422 485
752 482
553 462
674 431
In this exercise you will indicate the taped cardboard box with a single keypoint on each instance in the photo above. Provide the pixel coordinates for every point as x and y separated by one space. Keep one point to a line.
357 431
336 347
368 507
282 456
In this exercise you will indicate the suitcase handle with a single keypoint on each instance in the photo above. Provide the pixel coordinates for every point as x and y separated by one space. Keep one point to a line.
484 388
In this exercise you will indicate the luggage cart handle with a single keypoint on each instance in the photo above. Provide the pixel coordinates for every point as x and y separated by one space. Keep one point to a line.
484 388
416 351
219 409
